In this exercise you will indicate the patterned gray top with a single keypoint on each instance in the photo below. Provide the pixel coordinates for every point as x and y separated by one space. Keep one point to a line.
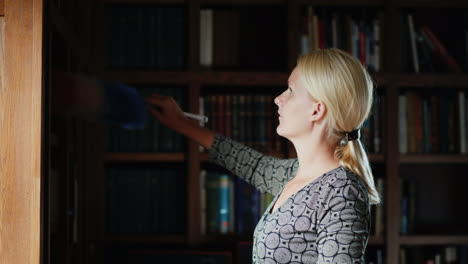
327 221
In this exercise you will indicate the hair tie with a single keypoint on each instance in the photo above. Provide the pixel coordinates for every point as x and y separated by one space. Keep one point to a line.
350 136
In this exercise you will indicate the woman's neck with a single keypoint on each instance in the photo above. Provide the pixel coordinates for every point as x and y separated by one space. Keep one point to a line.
315 157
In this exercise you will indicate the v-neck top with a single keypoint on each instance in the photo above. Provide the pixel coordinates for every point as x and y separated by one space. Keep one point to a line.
326 221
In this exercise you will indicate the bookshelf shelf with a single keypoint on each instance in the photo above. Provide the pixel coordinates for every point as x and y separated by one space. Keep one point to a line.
422 80
143 1
431 158
432 4
368 3
241 78
228 238
132 157
148 77
376 158
241 2
376 240
173 239
219 77
433 240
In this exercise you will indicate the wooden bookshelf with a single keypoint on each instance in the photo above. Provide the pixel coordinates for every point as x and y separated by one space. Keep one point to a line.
432 158
425 80
195 79
157 239
433 240
144 157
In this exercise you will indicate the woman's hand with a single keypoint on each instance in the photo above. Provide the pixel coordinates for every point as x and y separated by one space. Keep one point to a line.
166 110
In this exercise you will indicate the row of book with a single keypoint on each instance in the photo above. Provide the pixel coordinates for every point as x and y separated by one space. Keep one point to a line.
432 123
371 130
229 204
247 118
375 257
155 137
423 51
251 119
145 37
322 28
219 38
378 211
449 254
408 203
145 200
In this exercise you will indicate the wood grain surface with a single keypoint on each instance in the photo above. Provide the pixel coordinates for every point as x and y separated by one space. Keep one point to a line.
20 131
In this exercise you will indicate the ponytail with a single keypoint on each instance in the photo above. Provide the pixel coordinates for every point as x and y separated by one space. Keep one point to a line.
354 157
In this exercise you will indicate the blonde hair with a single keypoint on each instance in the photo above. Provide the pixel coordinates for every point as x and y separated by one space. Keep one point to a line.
340 81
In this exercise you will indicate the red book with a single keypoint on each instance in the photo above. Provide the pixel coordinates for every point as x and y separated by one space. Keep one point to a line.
441 50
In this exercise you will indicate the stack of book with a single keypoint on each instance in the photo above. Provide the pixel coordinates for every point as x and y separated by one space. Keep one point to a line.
229 204
322 28
432 123
145 200
424 51
145 37
247 118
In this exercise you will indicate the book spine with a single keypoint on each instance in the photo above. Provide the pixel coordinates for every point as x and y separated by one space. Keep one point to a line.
412 37
462 121
224 204
403 140
376 43
203 202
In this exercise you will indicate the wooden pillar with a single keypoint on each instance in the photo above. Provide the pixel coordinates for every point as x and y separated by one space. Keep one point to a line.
20 130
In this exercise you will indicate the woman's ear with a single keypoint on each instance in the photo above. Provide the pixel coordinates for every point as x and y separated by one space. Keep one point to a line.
319 111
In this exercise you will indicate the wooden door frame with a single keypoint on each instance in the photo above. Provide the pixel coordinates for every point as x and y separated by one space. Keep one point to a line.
20 130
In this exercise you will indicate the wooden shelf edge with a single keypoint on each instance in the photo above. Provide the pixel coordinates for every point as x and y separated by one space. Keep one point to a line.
376 240
148 77
369 3
432 4
241 2
433 240
176 239
137 157
431 80
143 2
376 158
213 77
433 158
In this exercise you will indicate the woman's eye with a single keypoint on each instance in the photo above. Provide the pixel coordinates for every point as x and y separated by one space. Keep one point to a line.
290 90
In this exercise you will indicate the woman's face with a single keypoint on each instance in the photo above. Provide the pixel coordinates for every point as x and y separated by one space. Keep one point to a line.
295 108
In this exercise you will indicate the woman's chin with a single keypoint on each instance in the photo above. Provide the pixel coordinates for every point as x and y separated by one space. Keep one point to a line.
279 131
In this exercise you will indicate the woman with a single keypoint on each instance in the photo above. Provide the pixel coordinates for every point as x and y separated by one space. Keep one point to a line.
321 209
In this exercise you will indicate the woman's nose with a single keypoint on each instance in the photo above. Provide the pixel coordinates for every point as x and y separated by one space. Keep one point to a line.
277 100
